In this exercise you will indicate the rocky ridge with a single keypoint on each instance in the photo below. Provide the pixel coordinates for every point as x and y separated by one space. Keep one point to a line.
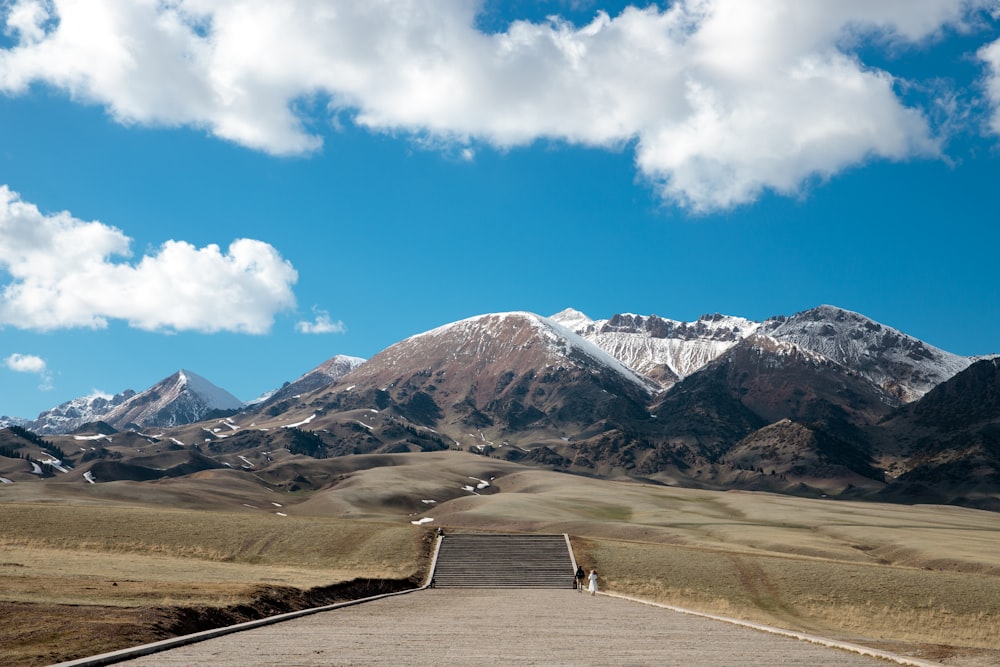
669 350
71 415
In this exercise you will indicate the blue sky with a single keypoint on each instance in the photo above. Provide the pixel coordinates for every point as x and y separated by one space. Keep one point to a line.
242 194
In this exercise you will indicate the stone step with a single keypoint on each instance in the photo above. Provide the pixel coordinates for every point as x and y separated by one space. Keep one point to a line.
503 561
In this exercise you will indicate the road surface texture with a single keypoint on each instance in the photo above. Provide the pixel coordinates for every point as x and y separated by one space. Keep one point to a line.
486 627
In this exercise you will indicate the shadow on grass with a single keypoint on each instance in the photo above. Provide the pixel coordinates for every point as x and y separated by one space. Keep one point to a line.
269 601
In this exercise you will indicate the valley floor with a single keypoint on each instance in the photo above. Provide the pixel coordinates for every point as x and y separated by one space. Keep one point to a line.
87 568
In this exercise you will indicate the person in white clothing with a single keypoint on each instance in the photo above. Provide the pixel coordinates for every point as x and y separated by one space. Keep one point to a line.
592 587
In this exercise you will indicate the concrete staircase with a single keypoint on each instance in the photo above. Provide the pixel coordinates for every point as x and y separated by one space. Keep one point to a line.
504 561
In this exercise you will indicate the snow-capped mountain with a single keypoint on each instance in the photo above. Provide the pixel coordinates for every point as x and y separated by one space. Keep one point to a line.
497 372
669 351
900 364
661 349
6 421
71 415
496 336
182 398
323 375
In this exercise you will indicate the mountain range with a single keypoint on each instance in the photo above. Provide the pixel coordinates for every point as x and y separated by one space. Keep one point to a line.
181 398
672 350
825 402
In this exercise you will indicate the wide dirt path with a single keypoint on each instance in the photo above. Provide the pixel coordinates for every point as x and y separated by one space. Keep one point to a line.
502 627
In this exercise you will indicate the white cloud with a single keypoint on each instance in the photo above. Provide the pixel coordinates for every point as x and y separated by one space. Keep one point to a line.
322 324
61 274
990 55
30 363
723 99
25 363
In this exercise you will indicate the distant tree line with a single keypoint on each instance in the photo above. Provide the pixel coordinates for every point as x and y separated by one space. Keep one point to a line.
306 443
35 439
11 453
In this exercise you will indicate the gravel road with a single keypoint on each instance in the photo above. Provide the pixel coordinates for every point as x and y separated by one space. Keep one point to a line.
502 627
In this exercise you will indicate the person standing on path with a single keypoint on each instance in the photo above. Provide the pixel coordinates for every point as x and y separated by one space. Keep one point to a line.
580 576
593 582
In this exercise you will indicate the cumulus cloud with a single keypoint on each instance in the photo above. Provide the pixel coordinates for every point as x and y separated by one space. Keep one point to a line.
30 363
722 99
321 324
25 363
63 273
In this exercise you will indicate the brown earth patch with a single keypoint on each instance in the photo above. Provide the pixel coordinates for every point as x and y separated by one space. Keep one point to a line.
43 634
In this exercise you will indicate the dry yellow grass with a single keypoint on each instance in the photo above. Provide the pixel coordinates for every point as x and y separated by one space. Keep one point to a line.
923 580
852 601
72 554
78 579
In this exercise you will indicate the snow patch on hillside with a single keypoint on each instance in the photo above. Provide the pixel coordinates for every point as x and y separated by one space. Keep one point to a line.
647 343
301 423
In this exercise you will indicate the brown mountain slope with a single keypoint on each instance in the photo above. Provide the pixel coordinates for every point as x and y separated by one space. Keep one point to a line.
789 453
946 447
512 377
761 381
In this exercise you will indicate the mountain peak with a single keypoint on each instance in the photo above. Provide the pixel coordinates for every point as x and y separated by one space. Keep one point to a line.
485 339
900 364
572 319
215 397
181 398
497 373
322 376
